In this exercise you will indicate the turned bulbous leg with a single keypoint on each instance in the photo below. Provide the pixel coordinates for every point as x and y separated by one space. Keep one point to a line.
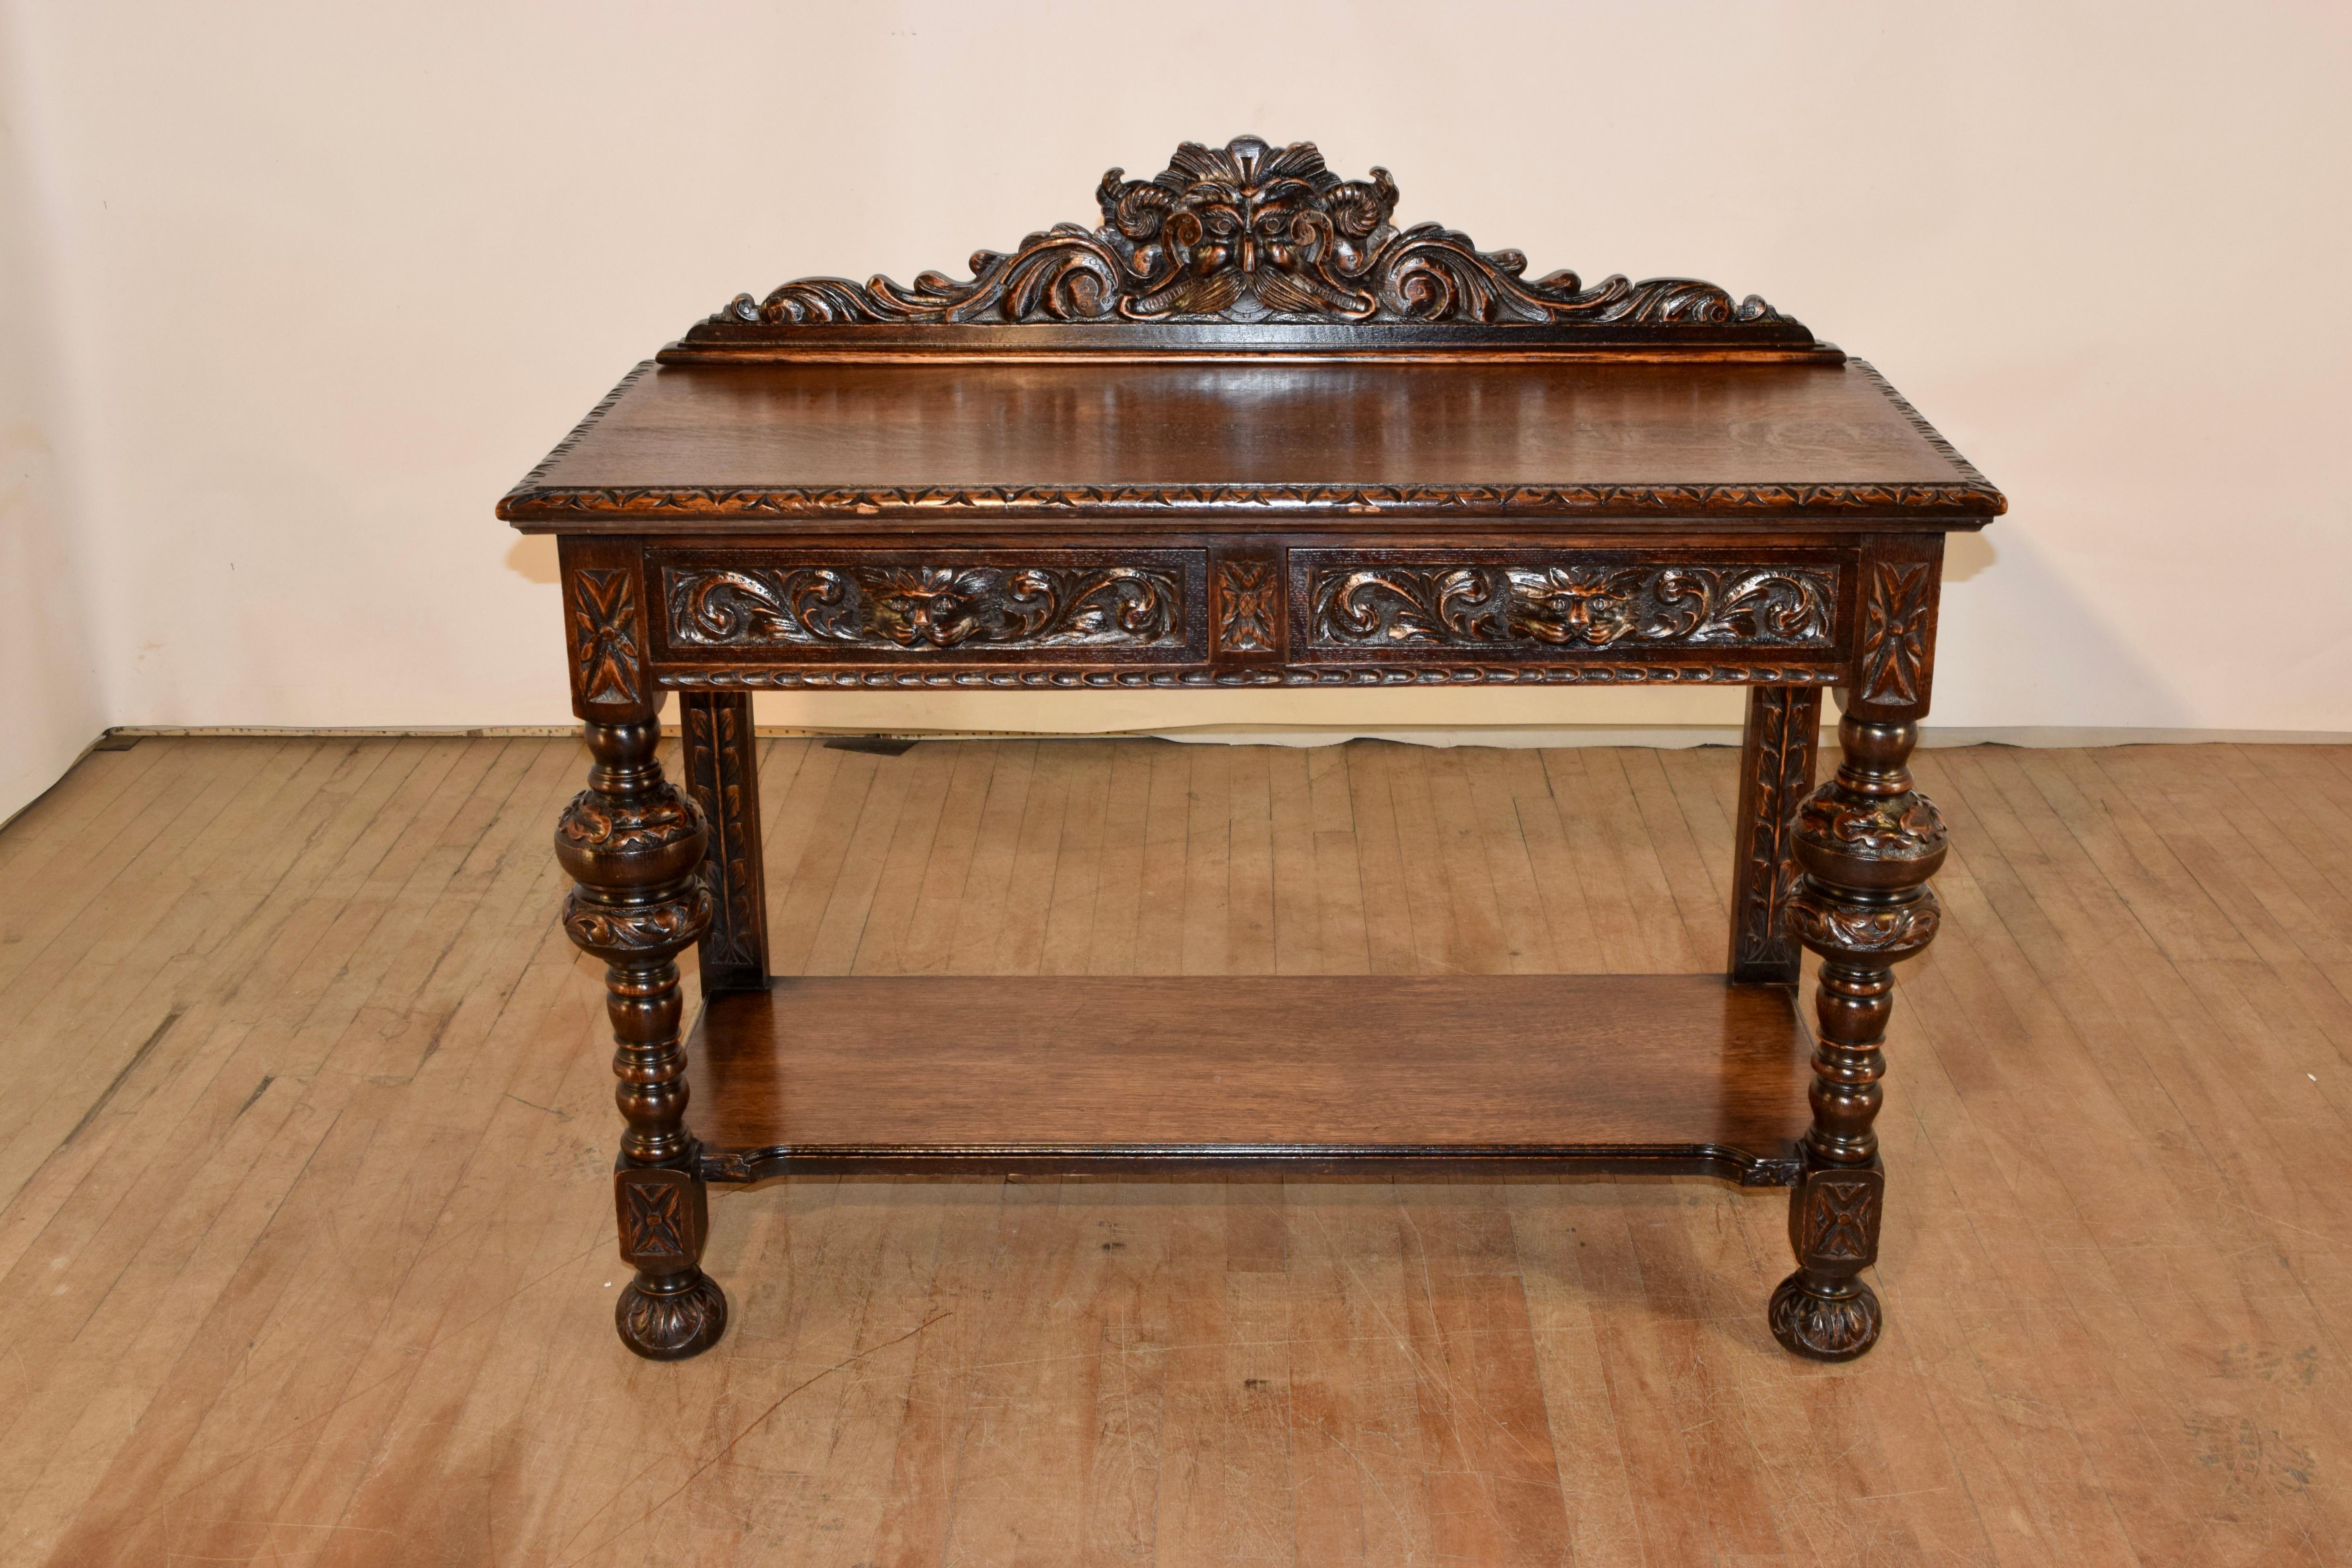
1866 844
634 844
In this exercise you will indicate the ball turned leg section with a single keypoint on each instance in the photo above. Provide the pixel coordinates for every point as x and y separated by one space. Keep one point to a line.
1867 842
634 846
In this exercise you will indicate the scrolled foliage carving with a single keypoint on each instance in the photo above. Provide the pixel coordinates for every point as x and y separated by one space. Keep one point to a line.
596 821
1571 605
661 928
1900 828
925 608
1250 232
1882 931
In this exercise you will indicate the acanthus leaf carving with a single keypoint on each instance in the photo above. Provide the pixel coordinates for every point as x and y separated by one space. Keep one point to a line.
1249 232
1823 1328
671 1325
1570 606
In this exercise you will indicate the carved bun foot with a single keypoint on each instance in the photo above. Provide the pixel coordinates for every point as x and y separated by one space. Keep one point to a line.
672 1325
1824 1327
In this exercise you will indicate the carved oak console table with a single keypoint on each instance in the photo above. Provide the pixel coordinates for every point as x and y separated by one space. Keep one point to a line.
1248 433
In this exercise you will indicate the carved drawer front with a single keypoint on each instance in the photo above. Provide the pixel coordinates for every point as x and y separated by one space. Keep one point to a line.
932 609
1568 606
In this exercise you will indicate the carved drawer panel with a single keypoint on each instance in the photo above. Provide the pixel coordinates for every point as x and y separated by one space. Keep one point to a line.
1565 606
944 607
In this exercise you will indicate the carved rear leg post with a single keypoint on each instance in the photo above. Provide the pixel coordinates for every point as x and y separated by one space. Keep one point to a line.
1776 769
634 846
722 773
1866 843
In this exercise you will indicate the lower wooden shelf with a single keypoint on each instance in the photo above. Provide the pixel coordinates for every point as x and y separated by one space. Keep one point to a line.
1625 1073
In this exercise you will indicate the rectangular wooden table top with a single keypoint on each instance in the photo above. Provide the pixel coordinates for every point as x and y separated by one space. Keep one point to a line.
679 446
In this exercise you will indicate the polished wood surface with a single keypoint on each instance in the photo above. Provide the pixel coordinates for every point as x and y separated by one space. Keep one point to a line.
1247 244
1079 423
1792 508
1068 1071
305 1226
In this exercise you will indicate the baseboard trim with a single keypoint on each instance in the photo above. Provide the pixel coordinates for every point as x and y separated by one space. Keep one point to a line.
1670 737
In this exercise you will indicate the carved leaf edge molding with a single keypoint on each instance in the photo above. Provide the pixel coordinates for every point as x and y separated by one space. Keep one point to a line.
528 502
1581 673
564 448
1251 232
1970 477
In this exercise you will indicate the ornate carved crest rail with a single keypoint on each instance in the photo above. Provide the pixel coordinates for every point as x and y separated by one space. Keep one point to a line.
1248 431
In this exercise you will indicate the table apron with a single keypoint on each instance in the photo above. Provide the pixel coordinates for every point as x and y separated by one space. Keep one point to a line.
814 614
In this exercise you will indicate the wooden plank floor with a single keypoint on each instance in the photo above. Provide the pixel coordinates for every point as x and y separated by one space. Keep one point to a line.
307 1230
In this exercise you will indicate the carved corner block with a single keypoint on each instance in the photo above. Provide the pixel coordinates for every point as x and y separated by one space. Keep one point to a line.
1824 1311
665 1217
1833 1214
671 1310
1893 675
606 633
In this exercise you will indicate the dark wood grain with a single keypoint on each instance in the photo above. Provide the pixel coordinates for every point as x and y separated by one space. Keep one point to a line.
1681 1071
721 757
1248 432
681 445
634 843
1258 236
1777 752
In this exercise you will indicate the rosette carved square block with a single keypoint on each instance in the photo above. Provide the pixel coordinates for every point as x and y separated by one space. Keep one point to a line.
1249 606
